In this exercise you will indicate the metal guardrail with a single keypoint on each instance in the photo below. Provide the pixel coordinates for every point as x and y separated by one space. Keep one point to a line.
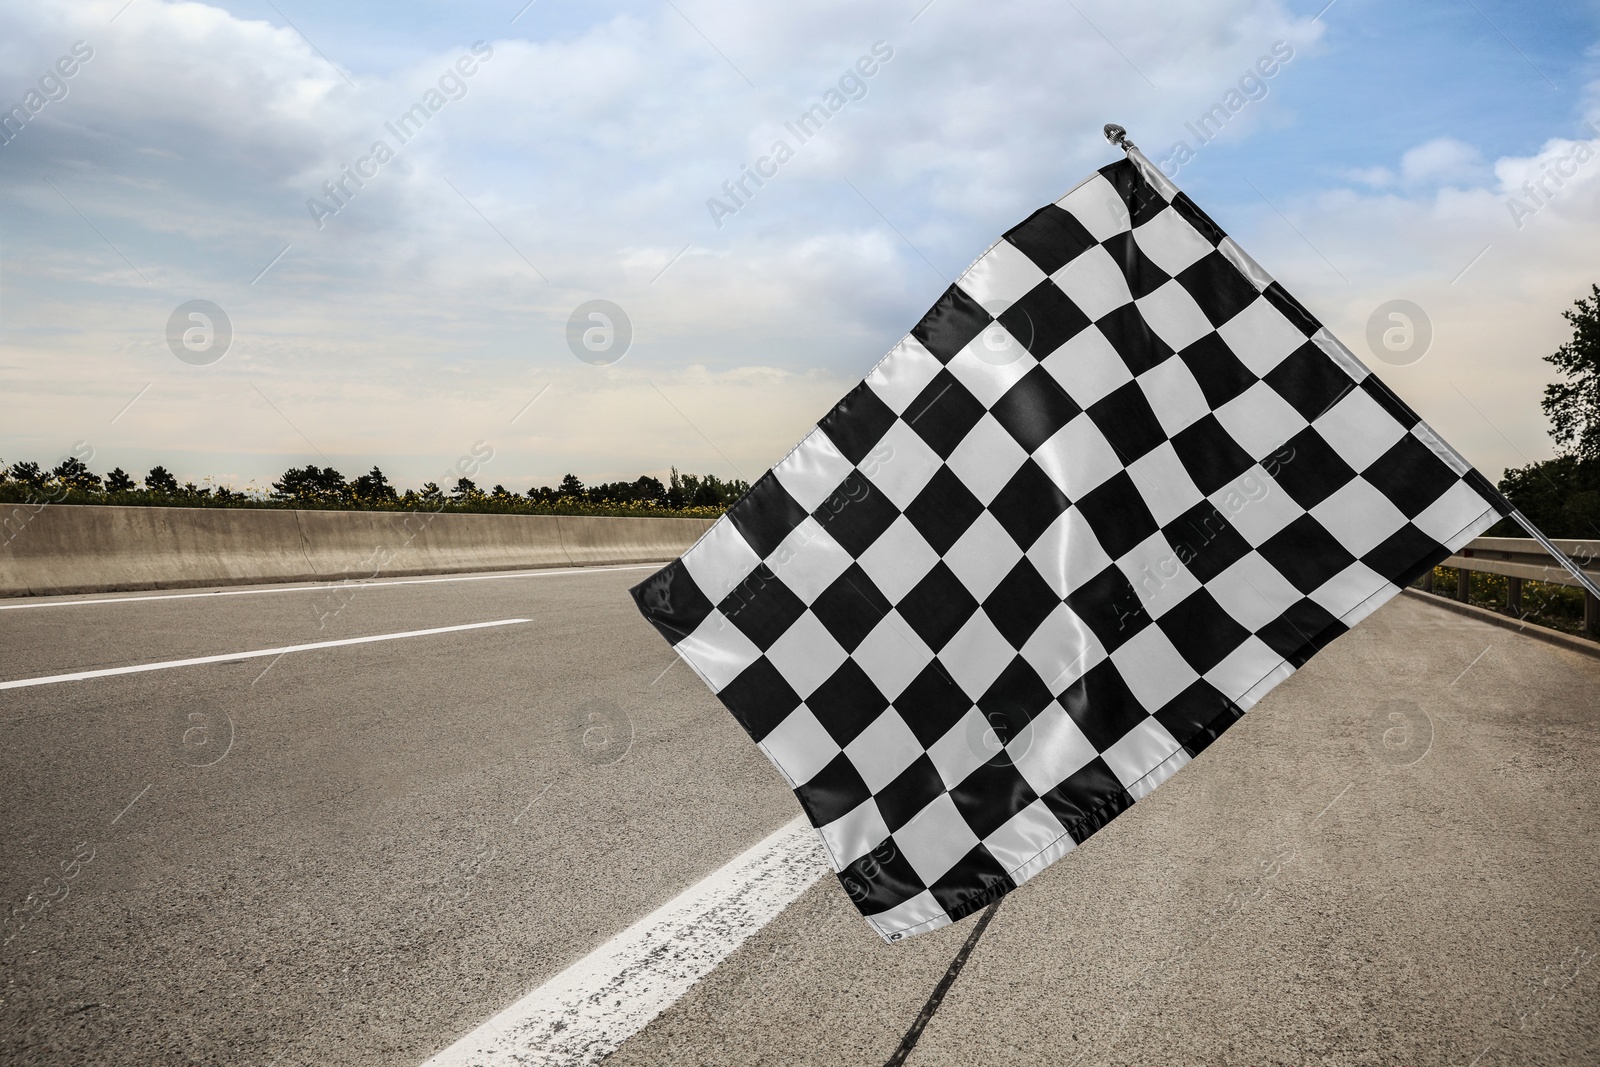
1520 559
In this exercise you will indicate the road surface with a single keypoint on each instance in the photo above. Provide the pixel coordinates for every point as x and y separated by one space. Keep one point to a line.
472 789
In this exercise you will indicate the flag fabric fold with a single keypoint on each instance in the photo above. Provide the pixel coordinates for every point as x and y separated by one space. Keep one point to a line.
1115 486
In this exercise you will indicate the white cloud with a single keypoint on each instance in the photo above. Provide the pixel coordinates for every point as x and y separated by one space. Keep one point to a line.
1442 161
408 323
1377 177
1494 292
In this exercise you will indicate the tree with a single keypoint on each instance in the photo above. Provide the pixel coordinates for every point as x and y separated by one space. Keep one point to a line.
160 480
72 473
118 481
465 490
1573 406
311 483
431 492
28 474
648 490
615 492
373 487
570 486
694 491
1561 496
500 493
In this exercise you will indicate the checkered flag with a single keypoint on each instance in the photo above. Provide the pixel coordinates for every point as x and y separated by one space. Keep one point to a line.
1115 486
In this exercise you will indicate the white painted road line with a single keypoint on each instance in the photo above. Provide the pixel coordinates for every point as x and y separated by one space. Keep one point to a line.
137 668
352 584
584 1013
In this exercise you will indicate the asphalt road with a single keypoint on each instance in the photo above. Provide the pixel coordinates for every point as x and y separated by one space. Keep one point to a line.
355 854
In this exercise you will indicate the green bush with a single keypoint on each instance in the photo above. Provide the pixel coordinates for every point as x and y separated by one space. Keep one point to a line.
1550 604
325 489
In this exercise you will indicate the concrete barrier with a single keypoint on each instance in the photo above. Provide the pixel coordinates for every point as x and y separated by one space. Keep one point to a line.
90 549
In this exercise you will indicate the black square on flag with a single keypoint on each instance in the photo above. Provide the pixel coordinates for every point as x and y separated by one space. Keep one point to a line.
856 513
1109 606
1035 409
1306 553
857 423
938 606
1312 471
1201 631
1210 454
1220 373
762 607
1020 603
1205 541
1044 319
1127 421
944 413
950 324
1051 237
851 608
880 880
912 790
932 704
1218 287
846 703
944 510
1028 504
1411 475
1133 338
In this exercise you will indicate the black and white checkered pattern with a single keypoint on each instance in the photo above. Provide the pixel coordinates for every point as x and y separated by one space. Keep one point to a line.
1115 486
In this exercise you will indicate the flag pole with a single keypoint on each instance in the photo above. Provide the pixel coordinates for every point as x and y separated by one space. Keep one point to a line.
1561 557
1152 173
1118 136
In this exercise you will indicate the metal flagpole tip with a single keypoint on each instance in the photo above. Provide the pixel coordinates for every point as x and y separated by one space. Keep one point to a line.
1118 136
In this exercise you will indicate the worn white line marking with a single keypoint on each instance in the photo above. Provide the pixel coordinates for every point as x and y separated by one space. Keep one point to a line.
332 584
588 1010
230 657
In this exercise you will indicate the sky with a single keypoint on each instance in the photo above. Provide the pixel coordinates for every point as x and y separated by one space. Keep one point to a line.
438 307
